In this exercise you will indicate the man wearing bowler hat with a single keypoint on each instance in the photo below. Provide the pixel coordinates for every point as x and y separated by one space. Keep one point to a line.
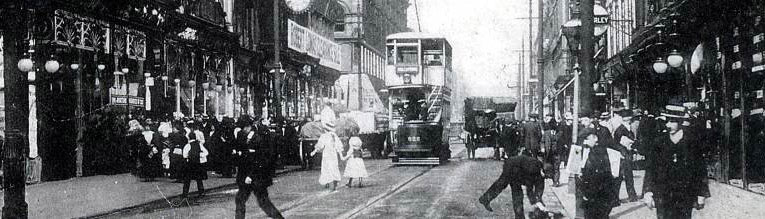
624 138
256 155
676 176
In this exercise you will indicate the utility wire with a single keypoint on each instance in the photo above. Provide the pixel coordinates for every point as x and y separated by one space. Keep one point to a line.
417 12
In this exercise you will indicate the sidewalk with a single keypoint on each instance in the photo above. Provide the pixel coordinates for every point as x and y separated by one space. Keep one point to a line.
98 195
726 202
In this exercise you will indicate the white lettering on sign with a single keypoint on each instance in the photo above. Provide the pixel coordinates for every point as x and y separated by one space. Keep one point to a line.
601 19
413 139
302 39
122 100
406 69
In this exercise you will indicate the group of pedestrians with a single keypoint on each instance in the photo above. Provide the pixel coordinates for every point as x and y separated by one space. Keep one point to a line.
676 176
171 149
185 149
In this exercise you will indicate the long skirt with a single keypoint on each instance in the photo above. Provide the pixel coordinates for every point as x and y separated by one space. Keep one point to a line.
355 168
150 167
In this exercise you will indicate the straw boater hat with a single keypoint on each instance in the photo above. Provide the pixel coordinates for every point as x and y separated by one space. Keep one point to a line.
605 115
675 112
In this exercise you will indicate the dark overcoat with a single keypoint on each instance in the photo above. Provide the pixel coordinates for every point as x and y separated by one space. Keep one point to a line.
676 173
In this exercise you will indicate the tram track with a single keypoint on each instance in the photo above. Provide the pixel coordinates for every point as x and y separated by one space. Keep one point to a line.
291 206
316 196
385 195
287 209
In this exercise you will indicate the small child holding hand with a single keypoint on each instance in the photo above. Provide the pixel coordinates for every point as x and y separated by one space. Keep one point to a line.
355 167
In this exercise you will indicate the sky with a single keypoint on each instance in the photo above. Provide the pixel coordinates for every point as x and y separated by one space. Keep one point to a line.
485 35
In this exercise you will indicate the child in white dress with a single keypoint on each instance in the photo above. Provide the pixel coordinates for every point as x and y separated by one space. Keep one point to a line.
355 167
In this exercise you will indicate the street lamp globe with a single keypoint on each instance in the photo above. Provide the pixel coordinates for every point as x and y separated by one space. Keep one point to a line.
125 70
25 65
74 66
192 83
101 67
52 66
165 78
206 85
660 66
675 59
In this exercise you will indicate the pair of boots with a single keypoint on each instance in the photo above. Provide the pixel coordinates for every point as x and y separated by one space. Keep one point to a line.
351 185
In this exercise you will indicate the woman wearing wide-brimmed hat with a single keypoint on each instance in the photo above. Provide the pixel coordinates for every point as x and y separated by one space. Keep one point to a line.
331 147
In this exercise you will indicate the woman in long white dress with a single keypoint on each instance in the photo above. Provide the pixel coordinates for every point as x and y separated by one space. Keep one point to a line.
331 147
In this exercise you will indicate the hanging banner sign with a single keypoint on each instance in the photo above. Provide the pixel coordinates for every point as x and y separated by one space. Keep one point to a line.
304 40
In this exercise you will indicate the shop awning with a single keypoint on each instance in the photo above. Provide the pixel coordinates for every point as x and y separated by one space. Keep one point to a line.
570 81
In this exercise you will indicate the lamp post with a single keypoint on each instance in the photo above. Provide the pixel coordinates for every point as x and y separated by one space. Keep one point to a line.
125 72
205 86
610 81
100 68
177 96
13 156
149 81
218 89
193 85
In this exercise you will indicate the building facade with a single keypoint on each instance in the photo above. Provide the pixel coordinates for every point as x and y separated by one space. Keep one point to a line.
362 35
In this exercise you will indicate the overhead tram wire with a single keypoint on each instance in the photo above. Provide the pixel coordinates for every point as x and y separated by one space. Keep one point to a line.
417 13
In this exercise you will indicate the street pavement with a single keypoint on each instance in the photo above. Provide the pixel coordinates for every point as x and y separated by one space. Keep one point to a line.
98 195
726 201
444 191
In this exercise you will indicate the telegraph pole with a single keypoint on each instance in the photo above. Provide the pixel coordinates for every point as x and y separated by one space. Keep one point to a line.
277 63
541 58
358 41
586 55
522 82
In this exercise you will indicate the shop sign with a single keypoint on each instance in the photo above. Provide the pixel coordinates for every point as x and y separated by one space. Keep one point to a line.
304 40
122 100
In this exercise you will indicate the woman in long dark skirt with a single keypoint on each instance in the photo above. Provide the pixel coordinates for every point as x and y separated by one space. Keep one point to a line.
177 141
134 143
195 155
150 154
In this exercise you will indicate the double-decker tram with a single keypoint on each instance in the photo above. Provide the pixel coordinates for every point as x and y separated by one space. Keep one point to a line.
419 80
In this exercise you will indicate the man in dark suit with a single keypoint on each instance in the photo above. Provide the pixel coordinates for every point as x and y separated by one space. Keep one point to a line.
596 182
256 168
562 146
532 135
624 138
518 171
676 180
